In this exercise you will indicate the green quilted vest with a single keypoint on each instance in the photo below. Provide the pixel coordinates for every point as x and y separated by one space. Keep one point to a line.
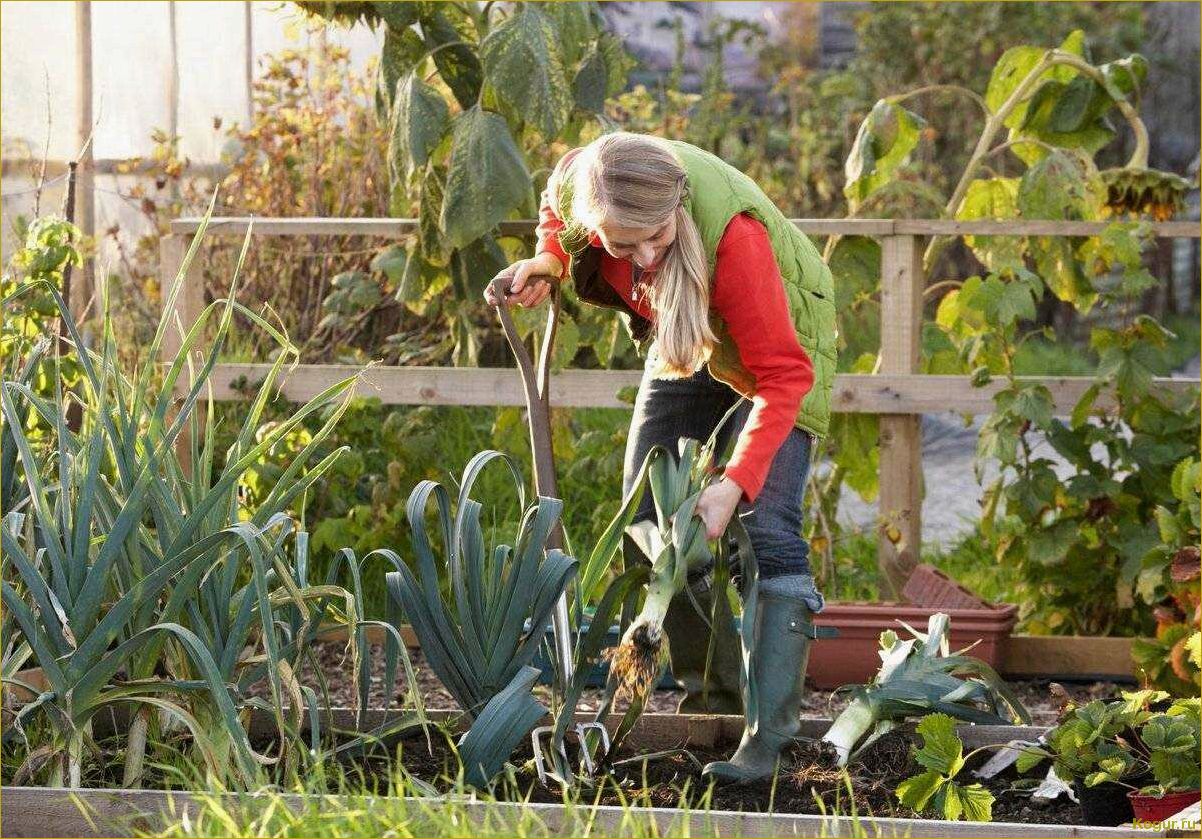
716 193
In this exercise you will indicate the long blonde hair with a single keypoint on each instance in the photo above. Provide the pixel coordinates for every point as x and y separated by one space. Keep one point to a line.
631 180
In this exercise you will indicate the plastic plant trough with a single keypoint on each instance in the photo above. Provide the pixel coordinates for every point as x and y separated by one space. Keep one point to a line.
928 586
852 657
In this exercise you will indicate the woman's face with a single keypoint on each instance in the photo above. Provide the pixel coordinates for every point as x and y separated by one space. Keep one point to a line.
645 246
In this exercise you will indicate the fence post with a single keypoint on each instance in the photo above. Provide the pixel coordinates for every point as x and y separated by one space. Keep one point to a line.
189 303
899 524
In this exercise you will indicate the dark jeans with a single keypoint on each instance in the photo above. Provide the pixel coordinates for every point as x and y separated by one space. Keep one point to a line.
668 409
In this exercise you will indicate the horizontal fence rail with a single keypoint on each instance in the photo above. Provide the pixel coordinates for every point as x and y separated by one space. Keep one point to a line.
854 393
393 227
899 394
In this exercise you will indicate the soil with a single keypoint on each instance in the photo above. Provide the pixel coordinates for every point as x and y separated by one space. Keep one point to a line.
808 782
820 704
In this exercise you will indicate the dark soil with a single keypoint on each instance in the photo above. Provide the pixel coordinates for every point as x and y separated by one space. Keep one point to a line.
809 782
336 668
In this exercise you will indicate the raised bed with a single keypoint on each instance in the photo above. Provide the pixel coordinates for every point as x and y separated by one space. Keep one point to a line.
36 811
40 811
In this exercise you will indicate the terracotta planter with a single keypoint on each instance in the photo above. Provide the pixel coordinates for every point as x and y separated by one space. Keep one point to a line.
1149 808
853 656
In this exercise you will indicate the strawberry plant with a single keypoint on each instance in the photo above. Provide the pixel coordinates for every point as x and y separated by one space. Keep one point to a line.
942 754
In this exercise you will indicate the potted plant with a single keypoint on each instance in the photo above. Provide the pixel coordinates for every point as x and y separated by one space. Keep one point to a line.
1170 742
1136 751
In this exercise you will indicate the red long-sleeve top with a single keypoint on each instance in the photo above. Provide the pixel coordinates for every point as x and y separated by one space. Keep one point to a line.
749 295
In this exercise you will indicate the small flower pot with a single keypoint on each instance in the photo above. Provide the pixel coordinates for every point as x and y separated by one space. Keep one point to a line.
1150 808
1103 805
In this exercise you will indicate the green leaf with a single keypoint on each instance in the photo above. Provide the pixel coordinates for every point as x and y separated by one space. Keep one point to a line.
1034 402
443 26
1125 76
420 118
1015 65
618 62
572 27
1084 407
973 802
916 791
472 267
506 719
487 178
1028 759
591 82
398 16
1061 271
429 234
1049 546
525 70
941 749
401 52
1061 186
391 262
882 144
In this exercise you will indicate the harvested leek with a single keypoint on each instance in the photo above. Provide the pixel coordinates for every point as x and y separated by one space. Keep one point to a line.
918 676
674 545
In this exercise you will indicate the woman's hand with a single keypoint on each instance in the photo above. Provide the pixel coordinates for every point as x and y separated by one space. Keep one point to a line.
529 280
717 504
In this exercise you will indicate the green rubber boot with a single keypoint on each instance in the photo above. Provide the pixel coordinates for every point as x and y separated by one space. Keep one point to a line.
778 667
688 641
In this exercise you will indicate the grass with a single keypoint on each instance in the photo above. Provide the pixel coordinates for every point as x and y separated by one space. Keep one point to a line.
409 808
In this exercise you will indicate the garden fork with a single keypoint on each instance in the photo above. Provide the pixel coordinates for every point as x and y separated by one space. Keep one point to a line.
537 385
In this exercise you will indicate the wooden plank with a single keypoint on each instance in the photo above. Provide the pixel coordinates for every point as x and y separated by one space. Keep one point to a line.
85 194
1188 822
1058 656
41 811
1022 656
853 393
926 227
183 311
15 167
190 300
899 521
430 385
392 228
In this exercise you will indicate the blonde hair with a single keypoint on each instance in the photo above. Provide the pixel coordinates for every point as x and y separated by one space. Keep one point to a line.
631 180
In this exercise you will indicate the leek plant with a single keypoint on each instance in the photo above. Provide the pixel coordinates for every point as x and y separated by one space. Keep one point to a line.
480 638
673 545
136 582
918 676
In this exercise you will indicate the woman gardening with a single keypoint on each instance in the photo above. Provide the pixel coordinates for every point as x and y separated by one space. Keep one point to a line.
729 303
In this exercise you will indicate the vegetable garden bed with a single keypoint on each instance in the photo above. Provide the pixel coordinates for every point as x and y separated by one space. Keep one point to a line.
788 808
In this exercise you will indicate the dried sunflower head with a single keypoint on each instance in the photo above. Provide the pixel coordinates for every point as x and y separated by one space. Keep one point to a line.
1151 193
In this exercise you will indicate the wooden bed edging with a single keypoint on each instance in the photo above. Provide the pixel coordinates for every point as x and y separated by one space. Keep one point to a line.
1023 656
44 812
652 732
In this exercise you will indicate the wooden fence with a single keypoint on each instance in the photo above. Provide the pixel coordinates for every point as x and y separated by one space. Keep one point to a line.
899 393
